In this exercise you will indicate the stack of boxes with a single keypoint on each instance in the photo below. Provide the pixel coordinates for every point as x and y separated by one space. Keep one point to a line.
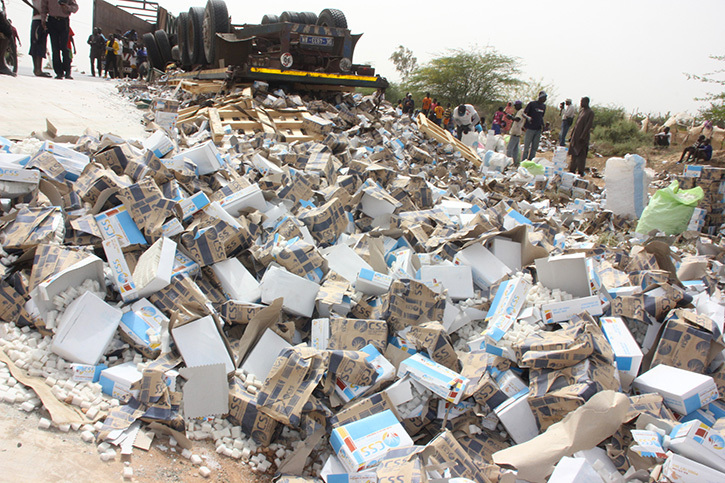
712 182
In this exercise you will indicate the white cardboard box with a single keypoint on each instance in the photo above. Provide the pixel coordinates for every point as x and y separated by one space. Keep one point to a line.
116 381
122 278
154 268
562 311
249 197
299 293
442 381
627 354
566 272
85 330
144 323
516 416
683 391
508 251
574 470
370 282
345 261
486 268
695 440
73 276
159 144
193 204
362 444
200 344
117 223
457 280
681 469
237 282
262 357
205 156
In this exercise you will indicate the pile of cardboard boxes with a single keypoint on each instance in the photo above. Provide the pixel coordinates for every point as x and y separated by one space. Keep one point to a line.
364 305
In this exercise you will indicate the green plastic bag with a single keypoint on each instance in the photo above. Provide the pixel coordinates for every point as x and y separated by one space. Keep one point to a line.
670 210
533 168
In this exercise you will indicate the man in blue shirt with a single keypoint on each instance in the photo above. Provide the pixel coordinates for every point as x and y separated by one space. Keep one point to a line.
534 114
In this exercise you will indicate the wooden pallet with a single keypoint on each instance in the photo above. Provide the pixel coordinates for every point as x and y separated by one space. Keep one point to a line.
240 114
445 137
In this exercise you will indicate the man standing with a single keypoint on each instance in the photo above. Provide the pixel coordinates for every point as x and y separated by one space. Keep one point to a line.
465 119
98 48
425 105
579 146
568 113
55 18
534 115
517 128
38 41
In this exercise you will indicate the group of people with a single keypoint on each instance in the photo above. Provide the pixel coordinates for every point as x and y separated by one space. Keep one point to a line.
107 53
700 151
51 18
518 122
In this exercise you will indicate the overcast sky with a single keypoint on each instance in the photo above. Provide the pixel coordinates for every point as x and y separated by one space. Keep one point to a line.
628 53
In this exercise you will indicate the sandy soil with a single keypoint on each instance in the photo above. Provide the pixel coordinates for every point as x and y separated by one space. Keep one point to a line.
30 454
71 105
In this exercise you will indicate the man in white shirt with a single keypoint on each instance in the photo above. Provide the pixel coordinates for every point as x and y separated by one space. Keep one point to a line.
465 118
516 131
568 113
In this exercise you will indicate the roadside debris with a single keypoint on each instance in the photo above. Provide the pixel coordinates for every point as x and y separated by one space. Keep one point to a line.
325 288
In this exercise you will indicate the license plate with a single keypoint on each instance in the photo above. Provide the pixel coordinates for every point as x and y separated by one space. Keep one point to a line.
315 41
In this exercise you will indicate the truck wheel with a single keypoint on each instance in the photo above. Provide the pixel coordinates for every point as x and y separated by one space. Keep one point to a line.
309 18
270 18
292 17
153 51
195 36
332 17
216 20
183 38
162 41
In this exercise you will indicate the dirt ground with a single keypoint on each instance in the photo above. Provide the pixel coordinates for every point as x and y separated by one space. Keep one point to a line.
30 454
71 105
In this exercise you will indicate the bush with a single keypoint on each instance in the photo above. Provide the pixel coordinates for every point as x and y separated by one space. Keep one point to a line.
619 138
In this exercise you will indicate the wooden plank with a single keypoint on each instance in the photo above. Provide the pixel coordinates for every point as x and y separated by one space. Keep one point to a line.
443 136
215 122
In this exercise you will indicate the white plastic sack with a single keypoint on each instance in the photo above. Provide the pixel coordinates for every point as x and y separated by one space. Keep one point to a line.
626 185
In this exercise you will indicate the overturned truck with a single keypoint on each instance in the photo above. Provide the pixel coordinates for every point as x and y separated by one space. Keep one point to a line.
291 48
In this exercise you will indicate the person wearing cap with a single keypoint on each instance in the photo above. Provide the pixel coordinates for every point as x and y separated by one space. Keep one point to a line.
579 145
515 132
568 113
534 123
465 118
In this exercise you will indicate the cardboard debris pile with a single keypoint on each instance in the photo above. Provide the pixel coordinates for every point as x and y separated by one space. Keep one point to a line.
341 296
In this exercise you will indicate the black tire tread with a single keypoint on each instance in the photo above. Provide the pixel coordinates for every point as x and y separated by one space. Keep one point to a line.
332 17
219 16
162 42
183 36
195 45
152 49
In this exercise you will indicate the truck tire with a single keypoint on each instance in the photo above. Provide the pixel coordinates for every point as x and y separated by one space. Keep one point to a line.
162 41
309 18
152 50
195 36
332 17
183 36
270 18
291 17
216 21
